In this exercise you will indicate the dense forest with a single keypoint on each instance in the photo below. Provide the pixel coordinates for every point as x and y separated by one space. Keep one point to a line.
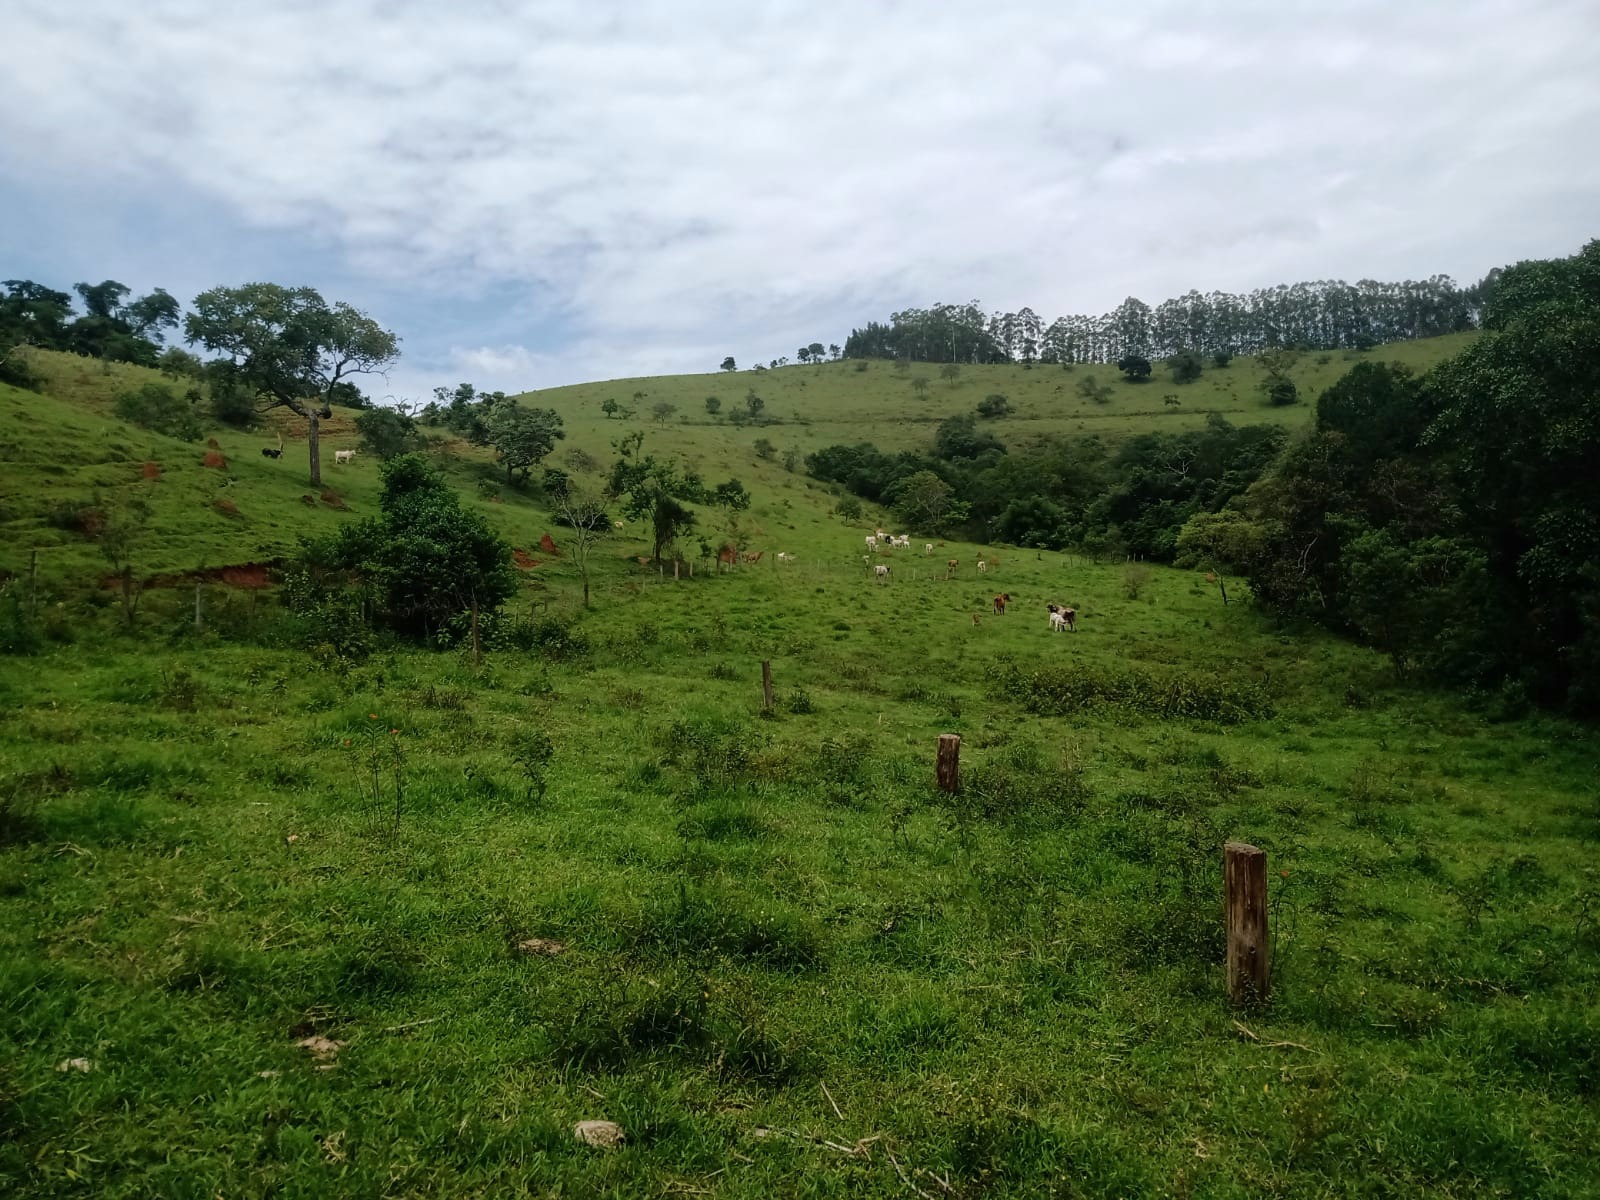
1450 519
1324 315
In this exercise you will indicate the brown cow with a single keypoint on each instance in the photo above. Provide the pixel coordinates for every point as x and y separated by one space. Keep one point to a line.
1000 602
950 567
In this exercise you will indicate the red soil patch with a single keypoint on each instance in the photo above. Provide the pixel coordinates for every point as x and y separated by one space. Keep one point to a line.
214 459
152 470
523 559
548 544
240 575
225 506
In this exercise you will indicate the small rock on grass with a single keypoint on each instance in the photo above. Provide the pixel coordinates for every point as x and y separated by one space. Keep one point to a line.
545 946
605 1134
81 1065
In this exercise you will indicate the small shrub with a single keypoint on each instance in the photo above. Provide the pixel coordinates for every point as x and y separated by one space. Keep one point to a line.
157 407
1134 580
799 702
532 750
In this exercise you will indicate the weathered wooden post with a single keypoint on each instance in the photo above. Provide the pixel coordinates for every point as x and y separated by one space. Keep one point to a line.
766 685
33 582
1244 883
198 623
477 648
675 563
949 765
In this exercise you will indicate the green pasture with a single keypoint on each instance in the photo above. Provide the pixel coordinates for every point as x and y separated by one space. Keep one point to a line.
275 921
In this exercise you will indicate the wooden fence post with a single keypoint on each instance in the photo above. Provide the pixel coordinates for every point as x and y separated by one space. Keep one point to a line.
949 765
1244 882
198 624
766 685
477 647
33 582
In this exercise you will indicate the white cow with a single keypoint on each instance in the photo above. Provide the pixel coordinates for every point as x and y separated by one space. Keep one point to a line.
983 567
928 549
881 571
784 556
341 457
1058 622
872 542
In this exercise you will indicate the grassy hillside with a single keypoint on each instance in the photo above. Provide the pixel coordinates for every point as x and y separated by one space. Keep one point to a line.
241 960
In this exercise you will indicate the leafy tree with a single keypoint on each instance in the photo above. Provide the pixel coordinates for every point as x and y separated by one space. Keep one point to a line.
610 407
791 460
102 300
149 315
1034 521
1135 367
1280 391
959 437
713 405
651 488
522 437
848 508
120 540
232 400
388 432
1185 366
816 351
803 354
290 347
729 365
663 411
425 558
1221 358
925 501
764 448
994 405
731 496
156 406
754 404
950 373
583 510
833 351
919 385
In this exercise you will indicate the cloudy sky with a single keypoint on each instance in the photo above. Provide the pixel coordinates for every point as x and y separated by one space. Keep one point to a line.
547 192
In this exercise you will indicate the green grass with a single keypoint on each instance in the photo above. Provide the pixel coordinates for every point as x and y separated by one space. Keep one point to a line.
789 965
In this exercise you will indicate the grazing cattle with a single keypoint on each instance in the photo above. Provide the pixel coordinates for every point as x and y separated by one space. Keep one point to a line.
1061 615
753 556
1000 602
269 452
1057 622
727 555
975 619
950 567
872 542
928 548
785 556
341 457
881 571
983 567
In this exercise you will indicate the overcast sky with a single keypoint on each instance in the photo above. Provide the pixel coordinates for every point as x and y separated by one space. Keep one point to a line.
542 193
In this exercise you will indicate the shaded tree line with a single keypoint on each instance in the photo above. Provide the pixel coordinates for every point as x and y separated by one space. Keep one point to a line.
113 325
1058 492
1316 315
1453 519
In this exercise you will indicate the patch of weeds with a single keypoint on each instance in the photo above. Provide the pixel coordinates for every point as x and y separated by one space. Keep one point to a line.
1059 691
723 671
715 751
799 702
722 818
695 922
531 749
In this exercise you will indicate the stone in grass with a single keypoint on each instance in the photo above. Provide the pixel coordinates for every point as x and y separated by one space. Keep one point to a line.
604 1134
82 1065
545 946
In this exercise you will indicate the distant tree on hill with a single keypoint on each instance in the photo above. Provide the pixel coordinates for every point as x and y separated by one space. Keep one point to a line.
926 502
1135 367
764 448
833 351
950 373
1185 366
523 437
1221 358
610 407
919 385
816 351
651 488
1280 390
663 411
803 354
290 347
994 405
156 406
791 460
149 315
713 405
729 365
731 495
754 404
583 510
388 432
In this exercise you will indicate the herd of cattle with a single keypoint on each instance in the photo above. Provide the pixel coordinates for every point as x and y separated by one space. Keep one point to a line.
1062 617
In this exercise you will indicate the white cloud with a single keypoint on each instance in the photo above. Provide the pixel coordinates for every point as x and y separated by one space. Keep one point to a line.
670 183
